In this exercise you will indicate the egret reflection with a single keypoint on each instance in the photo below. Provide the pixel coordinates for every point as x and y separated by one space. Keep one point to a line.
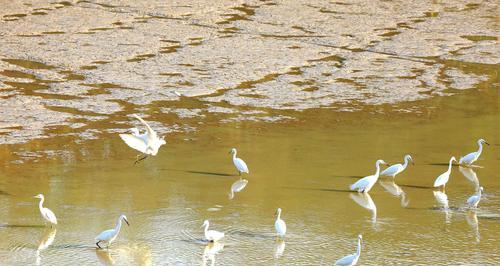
471 217
470 175
279 248
104 257
48 237
442 200
210 251
395 190
237 186
365 200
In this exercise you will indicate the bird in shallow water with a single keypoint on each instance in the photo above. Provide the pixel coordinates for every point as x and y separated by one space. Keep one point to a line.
279 224
473 201
240 165
47 214
395 169
366 183
108 236
352 259
443 178
212 235
148 143
470 158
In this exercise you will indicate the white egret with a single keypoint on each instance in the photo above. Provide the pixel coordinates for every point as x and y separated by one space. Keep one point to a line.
108 236
442 179
395 169
280 225
237 186
468 159
473 201
47 214
212 235
366 183
148 143
470 175
240 165
352 259
365 200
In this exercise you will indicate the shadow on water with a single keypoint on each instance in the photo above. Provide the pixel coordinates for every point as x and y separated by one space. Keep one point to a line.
199 172
4 193
22 226
347 176
320 189
414 186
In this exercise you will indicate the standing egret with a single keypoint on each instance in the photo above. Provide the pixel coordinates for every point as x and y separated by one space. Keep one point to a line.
108 236
473 201
240 165
468 159
148 143
47 214
212 235
352 259
280 224
395 169
442 179
237 186
366 183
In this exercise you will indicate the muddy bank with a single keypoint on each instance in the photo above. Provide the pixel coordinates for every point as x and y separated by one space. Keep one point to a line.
67 64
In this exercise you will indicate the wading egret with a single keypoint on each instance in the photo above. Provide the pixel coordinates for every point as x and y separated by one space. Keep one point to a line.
47 214
237 186
240 165
473 201
280 224
366 183
108 236
442 179
395 169
470 175
353 258
468 159
148 143
212 235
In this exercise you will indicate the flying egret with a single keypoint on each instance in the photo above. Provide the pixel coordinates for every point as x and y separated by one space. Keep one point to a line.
47 214
442 179
280 224
366 183
108 236
395 169
240 165
237 186
473 201
352 259
148 143
468 159
212 235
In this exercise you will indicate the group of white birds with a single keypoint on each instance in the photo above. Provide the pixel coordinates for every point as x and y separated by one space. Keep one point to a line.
148 143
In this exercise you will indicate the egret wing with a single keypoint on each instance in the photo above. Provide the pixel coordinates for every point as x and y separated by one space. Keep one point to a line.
347 260
472 200
105 235
440 180
241 165
49 215
134 142
280 227
393 169
360 184
468 159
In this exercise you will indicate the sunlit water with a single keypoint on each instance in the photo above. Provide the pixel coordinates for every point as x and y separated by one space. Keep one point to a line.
303 167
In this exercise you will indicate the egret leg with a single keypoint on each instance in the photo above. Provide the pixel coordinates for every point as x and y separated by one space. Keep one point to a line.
140 159
98 244
239 173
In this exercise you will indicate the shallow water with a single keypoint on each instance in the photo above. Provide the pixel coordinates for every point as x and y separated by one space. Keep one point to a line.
304 167
419 79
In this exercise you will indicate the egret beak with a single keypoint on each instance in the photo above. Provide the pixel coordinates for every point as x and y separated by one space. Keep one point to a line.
412 162
486 143
126 221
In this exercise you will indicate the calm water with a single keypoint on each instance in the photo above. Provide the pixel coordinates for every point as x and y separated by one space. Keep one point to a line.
304 167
